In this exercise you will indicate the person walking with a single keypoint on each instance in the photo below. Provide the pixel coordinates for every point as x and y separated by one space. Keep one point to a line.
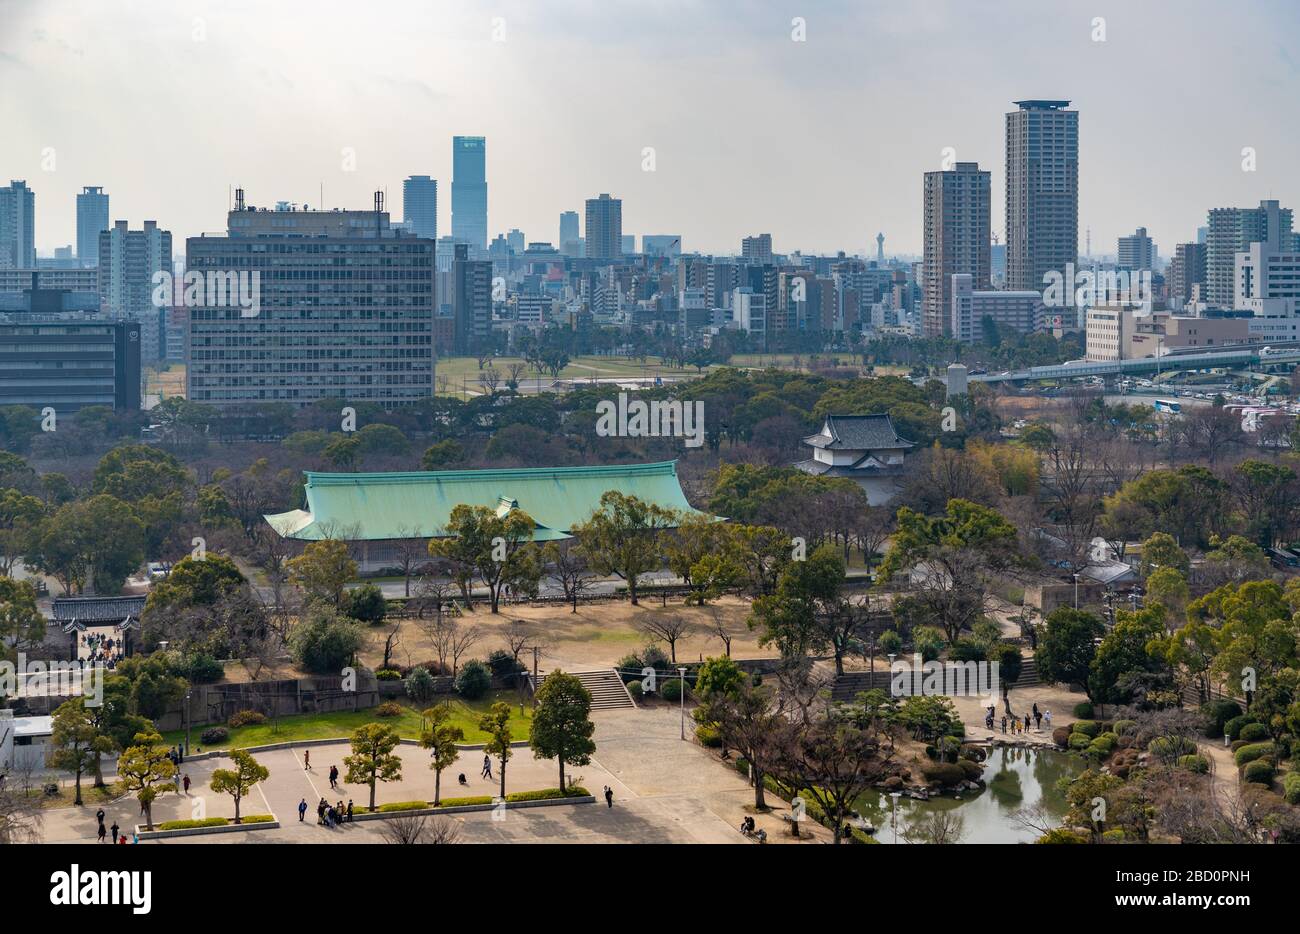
102 832
1047 718
487 767
1004 723
186 783
302 810
609 797
306 760
114 829
349 810
334 776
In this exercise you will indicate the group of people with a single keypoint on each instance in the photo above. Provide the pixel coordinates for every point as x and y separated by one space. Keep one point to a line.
102 649
112 834
327 815
749 829
1016 725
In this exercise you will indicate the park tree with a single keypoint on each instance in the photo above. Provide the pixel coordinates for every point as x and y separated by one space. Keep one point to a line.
570 567
239 781
1268 497
19 515
146 769
561 728
750 720
953 556
324 641
373 759
323 570
1161 551
621 537
807 594
1123 652
1067 646
99 539
77 741
498 548
365 604
196 582
1235 559
836 759
440 736
21 624
720 676
496 724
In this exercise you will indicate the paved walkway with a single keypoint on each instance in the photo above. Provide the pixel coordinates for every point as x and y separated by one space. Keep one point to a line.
665 791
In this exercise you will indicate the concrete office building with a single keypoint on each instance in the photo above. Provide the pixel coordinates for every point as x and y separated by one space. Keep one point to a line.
956 240
1267 281
1042 197
471 300
757 249
17 226
469 192
1136 252
604 228
345 311
57 350
1233 230
749 312
420 205
92 220
969 307
128 260
72 280
1186 271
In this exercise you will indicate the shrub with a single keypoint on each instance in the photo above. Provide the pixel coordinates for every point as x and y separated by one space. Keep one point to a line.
945 773
1063 835
708 736
1170 747
464 802
1217 713
474 680
246 718
404 806
1089 728
1104 744
325 642
1080 741
1232 729
671 690
504 665
928 641
1259 772
629 667
1254 733
389 709
968 650
388 674
1124 727
1291 787
204 669
192 824
634 688
419 686
889 643
1061 736
973 770
1083 711
1195 763
1252 752
214 734
365 604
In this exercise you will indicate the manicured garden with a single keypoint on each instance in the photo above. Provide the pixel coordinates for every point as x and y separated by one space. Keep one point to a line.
341 724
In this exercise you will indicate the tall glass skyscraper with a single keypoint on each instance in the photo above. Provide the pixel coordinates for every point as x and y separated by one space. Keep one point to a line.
92 220
420 205
469 190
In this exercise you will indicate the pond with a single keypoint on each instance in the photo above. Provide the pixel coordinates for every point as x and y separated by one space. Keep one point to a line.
1014 778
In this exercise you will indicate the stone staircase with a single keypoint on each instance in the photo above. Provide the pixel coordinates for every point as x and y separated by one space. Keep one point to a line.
605 686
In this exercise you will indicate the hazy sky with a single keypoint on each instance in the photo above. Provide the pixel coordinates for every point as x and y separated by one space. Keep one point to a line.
170 103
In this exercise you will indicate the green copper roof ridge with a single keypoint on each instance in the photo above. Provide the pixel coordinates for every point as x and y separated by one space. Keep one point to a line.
489 473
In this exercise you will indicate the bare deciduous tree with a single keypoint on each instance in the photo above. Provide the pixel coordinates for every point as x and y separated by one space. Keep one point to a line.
665 627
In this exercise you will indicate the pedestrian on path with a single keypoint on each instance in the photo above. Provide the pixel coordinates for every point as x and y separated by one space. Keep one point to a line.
609 797
334 776
306 760
487 767
114 828
349 810
186 783
302 810
99 816
102 832
1047 717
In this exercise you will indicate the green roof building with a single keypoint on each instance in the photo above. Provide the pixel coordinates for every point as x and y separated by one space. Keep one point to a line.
377 510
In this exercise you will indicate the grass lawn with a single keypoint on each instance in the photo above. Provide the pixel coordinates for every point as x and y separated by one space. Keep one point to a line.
67 796
341 724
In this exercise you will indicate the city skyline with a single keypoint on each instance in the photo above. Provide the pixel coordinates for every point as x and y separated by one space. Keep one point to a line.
818 182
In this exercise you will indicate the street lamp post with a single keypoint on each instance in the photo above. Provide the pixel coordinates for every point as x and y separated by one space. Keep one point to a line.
682 672
188 694
1076 590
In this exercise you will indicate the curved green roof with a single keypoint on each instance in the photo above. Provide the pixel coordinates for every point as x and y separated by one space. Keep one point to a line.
417 504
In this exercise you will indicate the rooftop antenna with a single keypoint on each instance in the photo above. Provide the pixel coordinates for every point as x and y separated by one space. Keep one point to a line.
379 208
239 199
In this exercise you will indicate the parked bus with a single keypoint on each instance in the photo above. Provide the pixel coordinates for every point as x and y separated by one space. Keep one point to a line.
1168 406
